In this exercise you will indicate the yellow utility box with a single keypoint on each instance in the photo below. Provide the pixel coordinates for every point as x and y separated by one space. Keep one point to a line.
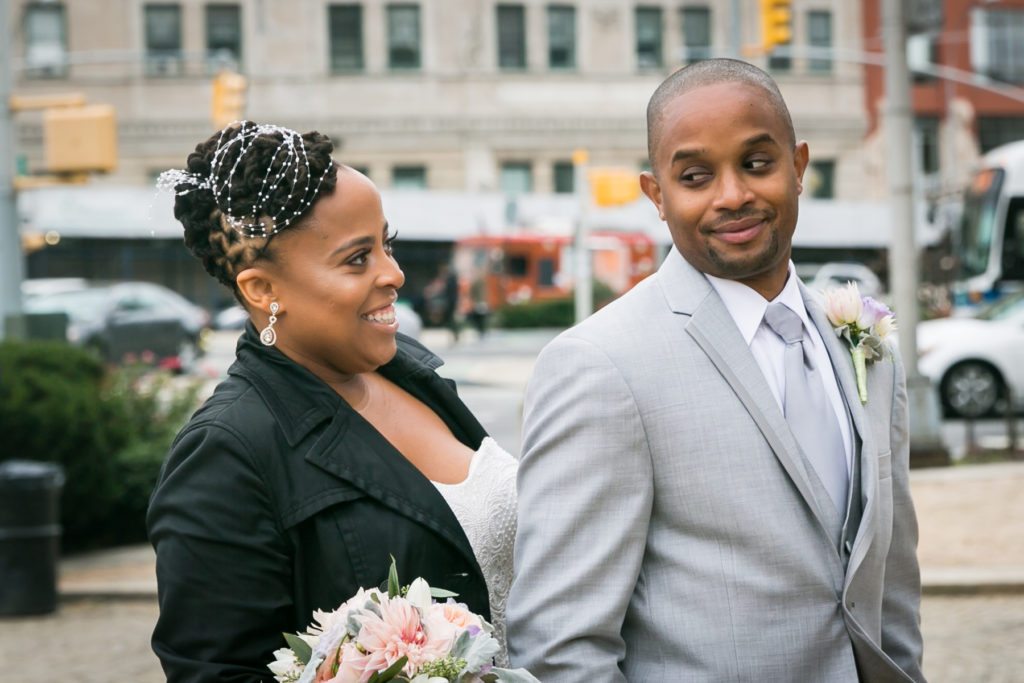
80 139
229 98
614 186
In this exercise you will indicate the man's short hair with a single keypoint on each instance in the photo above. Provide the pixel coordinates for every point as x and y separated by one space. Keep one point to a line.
711 72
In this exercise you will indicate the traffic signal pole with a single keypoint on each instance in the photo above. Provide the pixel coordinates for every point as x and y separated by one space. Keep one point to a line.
926 445
11 268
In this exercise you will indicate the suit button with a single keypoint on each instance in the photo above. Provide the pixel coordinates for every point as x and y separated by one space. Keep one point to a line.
851 604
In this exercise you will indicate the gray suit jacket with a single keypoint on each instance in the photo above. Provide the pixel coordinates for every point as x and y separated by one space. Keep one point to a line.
668 530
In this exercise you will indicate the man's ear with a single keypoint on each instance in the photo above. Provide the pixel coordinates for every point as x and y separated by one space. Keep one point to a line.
257 288
801 155
649 184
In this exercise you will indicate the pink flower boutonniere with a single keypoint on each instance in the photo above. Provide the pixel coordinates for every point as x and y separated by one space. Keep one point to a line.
864 323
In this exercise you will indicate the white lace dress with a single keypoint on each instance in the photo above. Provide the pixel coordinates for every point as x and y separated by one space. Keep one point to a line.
485 505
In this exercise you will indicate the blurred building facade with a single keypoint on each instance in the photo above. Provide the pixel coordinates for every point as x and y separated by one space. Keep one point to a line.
446 95
968 92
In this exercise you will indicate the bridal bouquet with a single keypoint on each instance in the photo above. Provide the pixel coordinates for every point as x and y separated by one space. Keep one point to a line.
401 635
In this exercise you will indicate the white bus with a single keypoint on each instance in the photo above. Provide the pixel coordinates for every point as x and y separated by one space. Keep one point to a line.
991 247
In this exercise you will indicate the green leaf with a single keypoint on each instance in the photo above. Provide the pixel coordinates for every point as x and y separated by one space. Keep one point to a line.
440 593
394 588
301 648
390 672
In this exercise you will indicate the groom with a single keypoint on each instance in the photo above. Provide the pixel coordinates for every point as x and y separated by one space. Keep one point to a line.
702 496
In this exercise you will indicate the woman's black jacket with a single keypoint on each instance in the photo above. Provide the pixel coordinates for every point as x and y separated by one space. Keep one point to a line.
277 499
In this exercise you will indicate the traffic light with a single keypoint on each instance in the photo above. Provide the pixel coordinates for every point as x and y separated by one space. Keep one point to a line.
228 103
776 23
614 186
80 139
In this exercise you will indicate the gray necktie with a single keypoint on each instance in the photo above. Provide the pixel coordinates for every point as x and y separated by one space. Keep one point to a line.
807 408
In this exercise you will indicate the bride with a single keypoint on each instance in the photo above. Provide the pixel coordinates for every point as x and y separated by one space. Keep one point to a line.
333 444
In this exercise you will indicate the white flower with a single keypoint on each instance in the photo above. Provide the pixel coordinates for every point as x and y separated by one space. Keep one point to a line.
843 305
885 326
419 595
286 666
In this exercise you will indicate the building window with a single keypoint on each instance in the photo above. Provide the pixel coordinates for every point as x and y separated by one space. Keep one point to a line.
516 177
922 55
927 130
404 36
696 33
997 43
345 23
565 177
46 41
819 38
224 35
648 37
994 131
562 37
821 182
511 37
409 177
163 39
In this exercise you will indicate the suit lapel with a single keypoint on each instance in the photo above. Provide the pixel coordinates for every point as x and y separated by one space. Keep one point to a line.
843 366
713 329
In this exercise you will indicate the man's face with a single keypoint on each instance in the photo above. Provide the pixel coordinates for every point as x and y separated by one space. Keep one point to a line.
726 180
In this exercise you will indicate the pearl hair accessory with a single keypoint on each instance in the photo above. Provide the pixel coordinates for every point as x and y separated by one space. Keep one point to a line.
291 152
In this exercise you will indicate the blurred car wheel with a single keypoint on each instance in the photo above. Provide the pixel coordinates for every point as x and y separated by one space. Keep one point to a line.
971 389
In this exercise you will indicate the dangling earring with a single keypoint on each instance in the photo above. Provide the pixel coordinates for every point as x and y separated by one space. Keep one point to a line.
268 336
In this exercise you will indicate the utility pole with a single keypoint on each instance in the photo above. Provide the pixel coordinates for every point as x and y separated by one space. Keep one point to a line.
736 38
583 290
925 441
10 241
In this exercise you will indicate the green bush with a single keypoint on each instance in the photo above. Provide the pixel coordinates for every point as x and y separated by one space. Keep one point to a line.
550 312
108 428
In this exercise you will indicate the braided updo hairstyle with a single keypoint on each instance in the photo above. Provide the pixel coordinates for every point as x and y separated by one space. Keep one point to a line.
261 185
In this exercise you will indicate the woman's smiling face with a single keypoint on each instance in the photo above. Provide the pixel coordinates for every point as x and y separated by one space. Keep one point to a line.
336 281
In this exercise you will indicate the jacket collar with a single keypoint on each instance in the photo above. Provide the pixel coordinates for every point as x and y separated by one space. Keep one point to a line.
349 448
298 399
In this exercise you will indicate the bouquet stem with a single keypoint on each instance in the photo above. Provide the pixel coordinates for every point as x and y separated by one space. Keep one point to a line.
861 371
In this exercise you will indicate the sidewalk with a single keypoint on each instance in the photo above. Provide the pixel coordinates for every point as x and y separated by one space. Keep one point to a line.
971 520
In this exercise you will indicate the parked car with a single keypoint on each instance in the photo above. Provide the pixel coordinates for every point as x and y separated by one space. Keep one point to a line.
976 362
837 273
235 317
124 319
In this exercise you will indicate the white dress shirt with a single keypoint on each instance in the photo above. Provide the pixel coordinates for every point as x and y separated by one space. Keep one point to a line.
747 307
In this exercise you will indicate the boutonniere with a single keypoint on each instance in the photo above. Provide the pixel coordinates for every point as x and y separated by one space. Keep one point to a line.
864 323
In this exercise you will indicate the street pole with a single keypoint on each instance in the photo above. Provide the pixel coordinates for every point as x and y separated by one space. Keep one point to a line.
583 291
10 241
736 42
925 441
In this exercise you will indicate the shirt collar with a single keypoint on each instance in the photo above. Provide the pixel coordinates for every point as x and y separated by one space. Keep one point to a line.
746 307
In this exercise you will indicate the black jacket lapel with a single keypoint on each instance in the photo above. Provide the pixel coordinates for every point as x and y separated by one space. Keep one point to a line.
344 445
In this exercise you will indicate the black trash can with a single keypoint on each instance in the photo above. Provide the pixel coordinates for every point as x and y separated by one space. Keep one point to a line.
29 536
